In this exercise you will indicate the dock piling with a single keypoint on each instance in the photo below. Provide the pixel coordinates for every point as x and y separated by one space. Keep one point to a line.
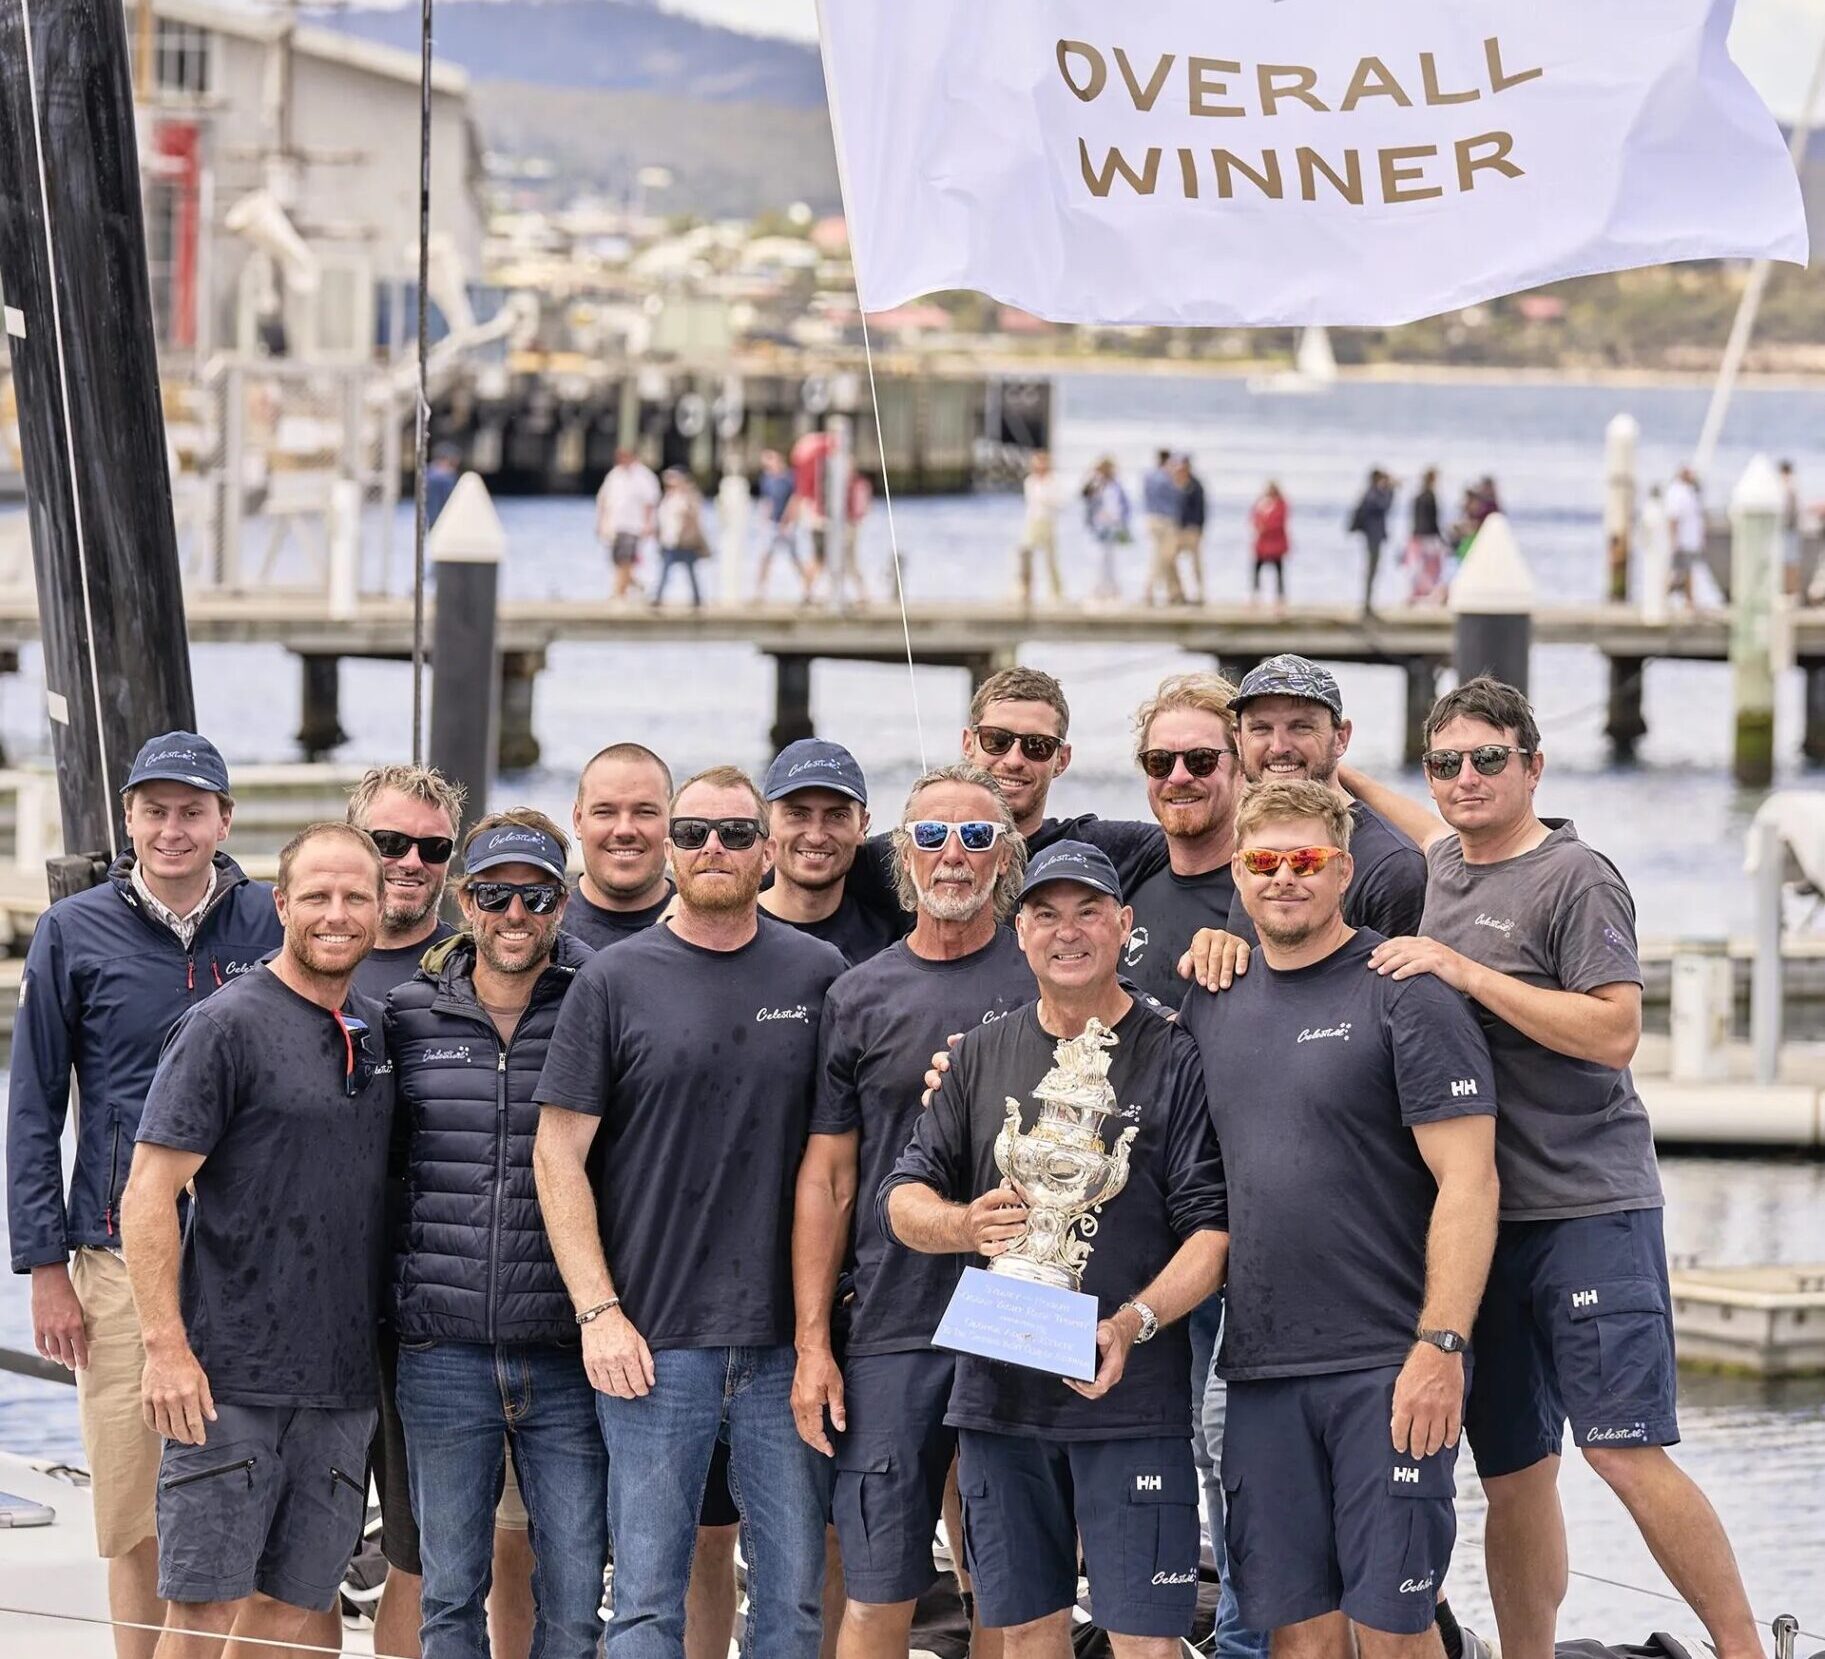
1627 724
465 546
792 700
1813 745
1492 602
1619 444
320 727
1755 518
1422 692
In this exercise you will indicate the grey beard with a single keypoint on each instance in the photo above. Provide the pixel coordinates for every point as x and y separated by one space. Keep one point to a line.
945 907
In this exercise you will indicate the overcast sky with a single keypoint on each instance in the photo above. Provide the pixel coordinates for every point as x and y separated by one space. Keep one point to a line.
1776 41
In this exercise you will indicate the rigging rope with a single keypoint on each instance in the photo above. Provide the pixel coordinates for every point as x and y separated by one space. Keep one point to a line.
422 428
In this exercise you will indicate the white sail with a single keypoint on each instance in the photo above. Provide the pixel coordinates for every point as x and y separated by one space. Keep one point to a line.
1314 359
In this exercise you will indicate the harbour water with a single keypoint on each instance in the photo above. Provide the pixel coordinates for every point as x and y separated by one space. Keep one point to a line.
1674 824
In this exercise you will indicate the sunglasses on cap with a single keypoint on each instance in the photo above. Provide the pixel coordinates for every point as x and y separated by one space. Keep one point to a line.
1035 746
1302 861
539 897
976 835
360 1063
1200 763
1487 758
737 835
432 849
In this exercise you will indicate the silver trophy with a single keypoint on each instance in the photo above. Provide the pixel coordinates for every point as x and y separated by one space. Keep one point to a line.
1060 1167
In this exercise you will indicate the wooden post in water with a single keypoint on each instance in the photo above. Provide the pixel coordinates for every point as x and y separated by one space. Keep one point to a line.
465 548
1619 444
1493 603
78 321
1755 523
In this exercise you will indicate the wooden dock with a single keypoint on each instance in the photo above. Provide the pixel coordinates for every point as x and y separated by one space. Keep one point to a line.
1767 1321
975 637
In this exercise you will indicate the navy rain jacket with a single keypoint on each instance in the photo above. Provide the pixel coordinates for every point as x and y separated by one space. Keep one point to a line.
471 1261
104 982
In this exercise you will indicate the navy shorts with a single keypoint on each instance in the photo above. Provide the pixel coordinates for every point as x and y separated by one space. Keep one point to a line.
891 1464
1323 1514
1133 1503
1575 1324
274 1501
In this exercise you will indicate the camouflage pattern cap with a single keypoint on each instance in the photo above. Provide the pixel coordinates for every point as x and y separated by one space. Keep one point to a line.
1290 676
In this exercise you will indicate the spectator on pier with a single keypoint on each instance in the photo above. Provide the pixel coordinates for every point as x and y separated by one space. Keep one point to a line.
681 539
1272 542
1045 499
858 502
1793 531
440 480
1685 504
1109 517
774 487
1425 556
1480 502
1370 521
810 459
1189 546
626 508
1161 501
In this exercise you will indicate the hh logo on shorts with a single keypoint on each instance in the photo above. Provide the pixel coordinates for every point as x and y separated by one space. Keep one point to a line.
1149 1483
1407 1477
1584 1298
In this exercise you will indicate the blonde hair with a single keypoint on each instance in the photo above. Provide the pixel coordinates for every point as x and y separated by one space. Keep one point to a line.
1007 884
722 777
424 784
1280 801
1207 692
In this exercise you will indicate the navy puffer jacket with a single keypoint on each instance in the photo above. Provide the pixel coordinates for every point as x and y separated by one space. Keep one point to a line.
471 1262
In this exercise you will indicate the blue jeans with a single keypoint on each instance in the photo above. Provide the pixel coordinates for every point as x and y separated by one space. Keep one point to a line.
458 1401
675 558
660 1449
1208 1399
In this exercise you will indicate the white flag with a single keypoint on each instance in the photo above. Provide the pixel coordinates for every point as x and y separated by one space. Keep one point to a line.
1261 162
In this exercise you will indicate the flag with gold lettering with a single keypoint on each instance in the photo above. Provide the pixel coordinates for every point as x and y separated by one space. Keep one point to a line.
1262 162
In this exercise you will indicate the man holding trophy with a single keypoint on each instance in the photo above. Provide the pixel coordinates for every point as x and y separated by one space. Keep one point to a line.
1072 1147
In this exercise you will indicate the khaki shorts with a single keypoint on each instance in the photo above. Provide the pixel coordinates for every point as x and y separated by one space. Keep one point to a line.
510 1513
123 1453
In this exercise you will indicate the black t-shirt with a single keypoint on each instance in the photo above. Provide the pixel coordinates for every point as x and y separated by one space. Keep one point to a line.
382 971
1316 1079
701 1065
599 928
882 1023
1387 894
1168 910
858 930
285 1243
1425 514
1174 1189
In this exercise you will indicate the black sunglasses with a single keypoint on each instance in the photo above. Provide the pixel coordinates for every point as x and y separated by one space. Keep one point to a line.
360 1068
432 849
1200 763
1036 746
1487 758
539 897
737 835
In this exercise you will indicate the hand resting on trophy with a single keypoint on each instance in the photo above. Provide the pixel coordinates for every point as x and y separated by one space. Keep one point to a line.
995 1221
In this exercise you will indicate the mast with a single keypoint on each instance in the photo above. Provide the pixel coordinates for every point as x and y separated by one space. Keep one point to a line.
79 324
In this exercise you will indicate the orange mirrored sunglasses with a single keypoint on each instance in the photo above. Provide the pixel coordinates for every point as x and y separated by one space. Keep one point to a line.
1302 861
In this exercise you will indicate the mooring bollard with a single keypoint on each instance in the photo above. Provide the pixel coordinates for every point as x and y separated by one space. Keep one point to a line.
734 507
1755 527
465 548
1619 443
1492 601
1656 557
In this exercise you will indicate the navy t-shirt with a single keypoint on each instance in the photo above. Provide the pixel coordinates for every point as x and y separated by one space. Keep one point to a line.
701 1065
1168 910
858 930
1174 1189
285 1243
599 928
883 1021
383 971
1388 891
1316 1078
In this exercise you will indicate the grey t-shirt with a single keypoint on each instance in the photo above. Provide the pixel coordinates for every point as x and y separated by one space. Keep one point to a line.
283 1251
1573 1138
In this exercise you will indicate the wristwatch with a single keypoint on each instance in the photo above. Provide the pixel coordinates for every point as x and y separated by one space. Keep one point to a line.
1150 1323
1450 1341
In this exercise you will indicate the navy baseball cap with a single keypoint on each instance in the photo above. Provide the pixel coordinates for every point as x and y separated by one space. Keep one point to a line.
515 844
1290 676
1074 861
811 763
180 757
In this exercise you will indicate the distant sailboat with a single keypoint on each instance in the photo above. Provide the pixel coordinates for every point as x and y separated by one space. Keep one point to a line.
1314 368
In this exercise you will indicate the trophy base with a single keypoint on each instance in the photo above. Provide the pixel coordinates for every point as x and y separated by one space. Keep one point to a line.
1035 1273
1021 1321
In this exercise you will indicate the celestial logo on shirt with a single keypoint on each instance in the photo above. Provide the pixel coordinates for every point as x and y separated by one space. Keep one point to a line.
1617 942
233 970
1414 1586
1623 1432
1137 945
459 1053
800 1013
1501 924
1314 1034
1175 1578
